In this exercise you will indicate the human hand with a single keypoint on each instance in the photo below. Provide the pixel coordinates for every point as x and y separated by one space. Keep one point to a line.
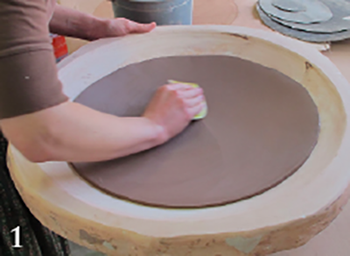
173 107
121 27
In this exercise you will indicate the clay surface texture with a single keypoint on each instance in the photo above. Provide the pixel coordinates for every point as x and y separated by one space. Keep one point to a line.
261 127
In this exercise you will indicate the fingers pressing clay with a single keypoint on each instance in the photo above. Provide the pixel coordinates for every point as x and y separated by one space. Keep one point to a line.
194 101
204 108
190 93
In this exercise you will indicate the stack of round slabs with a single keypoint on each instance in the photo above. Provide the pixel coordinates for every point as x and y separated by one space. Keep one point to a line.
309 20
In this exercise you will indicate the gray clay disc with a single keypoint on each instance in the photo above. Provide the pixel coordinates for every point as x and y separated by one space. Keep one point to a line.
315 11
339 22
289 6
302 35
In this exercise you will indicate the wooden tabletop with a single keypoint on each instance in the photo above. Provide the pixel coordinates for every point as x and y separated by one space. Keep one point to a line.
339 52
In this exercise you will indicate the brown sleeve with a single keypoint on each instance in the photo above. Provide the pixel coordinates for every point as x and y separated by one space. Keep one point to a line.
28 74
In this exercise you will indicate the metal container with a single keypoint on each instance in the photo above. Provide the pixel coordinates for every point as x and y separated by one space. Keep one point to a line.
163 12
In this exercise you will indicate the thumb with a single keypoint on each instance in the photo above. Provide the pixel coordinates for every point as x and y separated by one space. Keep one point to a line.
135 27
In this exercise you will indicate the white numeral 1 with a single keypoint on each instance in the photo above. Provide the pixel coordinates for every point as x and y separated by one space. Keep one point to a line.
17 237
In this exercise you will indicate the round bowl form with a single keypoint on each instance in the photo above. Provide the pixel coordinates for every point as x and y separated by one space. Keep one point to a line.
284 217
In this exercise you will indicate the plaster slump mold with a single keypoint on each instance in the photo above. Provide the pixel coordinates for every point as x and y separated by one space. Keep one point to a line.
261 128
290 214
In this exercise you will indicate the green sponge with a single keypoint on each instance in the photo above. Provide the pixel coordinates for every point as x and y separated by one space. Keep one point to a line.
204 111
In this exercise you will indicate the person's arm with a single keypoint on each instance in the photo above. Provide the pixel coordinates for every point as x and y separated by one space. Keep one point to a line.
73 132
69 22
39 121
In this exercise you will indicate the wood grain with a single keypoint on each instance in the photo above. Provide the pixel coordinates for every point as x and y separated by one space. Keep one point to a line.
219 12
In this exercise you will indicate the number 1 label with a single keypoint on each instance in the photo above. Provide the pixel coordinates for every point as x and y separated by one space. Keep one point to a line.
17 237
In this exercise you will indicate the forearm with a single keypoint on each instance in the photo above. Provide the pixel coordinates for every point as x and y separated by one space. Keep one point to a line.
72 132
70 22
